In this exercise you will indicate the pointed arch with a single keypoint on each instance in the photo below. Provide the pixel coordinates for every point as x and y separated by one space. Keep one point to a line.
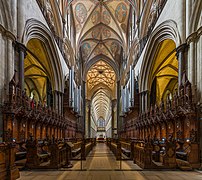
166 30
95 60
35 29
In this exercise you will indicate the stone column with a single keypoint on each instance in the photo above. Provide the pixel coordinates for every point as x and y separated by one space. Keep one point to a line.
14 15
88 106
7 58
59 103
84 108
22 54
55 100
21 11
61 99
114 103
191 64
2 67
182 25
118 108
142 101
10 59
146 100
181 56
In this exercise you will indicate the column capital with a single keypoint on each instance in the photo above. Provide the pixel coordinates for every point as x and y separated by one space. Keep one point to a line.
2 29
192 37
181 49
145 92
7 33
10 36
21 47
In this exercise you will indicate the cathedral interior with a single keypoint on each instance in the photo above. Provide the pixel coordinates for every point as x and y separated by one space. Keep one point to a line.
100 89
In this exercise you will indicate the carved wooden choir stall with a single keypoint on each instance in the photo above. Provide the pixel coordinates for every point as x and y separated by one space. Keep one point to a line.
166 135
37 137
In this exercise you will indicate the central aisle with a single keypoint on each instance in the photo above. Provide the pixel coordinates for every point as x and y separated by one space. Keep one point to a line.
101 158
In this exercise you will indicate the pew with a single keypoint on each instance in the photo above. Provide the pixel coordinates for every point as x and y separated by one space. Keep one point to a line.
126 148
8 168
158 155
76 148
52 154
82 147
42 151
59 155
20 151
115 147
89 144
158 150
143 154
187 155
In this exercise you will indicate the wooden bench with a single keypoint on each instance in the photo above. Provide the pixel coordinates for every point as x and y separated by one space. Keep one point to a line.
126 148
143 155
90 143
187 154
20 151
8 168
43 151
76 149
115 147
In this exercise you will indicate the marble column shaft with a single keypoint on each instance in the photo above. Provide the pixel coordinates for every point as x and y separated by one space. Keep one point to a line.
181 61
22 54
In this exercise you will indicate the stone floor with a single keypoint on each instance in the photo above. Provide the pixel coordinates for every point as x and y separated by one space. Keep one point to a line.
101 165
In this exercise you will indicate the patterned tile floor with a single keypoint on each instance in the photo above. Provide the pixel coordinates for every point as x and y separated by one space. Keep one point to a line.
101 165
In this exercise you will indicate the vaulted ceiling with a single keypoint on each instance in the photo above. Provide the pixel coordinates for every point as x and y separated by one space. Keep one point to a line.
165 69
101 35
101 27
37 70
101 73
101 105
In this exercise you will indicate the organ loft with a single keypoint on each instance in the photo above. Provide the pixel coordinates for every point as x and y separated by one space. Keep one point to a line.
100 89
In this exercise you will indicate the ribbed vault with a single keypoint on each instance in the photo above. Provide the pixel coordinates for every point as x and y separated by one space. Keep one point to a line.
101 104
100 33
100 28
101 79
